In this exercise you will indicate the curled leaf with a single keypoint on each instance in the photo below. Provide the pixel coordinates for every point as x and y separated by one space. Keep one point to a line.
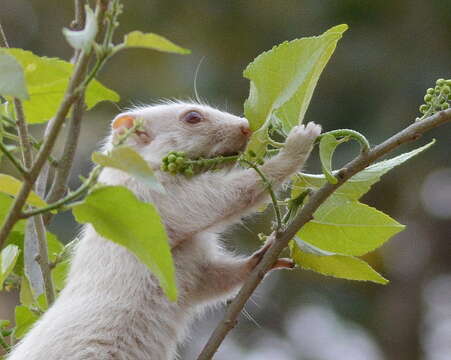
83 39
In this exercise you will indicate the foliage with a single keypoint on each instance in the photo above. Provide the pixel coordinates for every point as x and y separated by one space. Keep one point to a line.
282 82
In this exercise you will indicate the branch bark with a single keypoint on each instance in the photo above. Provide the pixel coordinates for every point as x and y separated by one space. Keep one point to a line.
411 133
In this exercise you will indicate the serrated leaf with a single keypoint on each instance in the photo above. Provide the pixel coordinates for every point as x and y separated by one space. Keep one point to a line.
282 81
344 267
25 318
128 160
327 146
348 227
116 214
8 258
47 80
12 80
138 39
359 184
83 39
11 186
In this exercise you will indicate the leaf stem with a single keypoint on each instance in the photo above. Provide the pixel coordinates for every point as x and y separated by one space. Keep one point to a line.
365 145
268 185
13 160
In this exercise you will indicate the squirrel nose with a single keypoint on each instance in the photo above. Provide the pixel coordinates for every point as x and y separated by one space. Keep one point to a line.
246 131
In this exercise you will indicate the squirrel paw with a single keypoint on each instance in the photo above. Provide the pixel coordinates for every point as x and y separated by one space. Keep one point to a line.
255 258
301 138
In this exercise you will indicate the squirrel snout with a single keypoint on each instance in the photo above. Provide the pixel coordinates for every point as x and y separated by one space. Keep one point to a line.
246 131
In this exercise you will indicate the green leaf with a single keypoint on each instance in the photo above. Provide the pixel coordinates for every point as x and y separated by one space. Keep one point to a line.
327 147
83 39
348 227
359 184
12 81
137 39
344 267
11 186
117 215
128 160
26 294
25 318
5 205
282 81
47 80
59 275
54 246
8 258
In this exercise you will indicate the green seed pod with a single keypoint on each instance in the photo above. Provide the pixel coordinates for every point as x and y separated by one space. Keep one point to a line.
446 89
189 171
260 161
442 100
179 153
424 108
164 167
180 160
448 82
172 168
172 158
437 90
445 106
428 98
165 160
252 153
440 82
430 91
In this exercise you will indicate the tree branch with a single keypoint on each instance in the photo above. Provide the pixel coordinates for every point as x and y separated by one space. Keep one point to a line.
411 133
72 94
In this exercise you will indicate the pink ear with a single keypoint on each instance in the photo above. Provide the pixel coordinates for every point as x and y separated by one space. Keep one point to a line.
126 121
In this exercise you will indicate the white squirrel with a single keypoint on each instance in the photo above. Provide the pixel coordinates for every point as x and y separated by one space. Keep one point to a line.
112 306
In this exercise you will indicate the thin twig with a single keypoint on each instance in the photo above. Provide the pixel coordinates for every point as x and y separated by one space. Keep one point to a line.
3 37
270 190
411 133
22 129
43 259
13 160
64 202
36 145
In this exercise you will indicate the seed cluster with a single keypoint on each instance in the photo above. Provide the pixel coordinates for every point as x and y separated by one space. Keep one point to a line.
437 98
177 162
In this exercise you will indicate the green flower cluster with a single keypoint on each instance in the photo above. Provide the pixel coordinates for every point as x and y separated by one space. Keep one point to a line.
437 98
176 162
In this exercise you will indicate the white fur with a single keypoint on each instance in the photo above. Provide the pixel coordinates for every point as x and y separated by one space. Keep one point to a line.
112 306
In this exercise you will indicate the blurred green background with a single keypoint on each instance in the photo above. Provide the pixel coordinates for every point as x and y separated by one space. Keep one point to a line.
374 83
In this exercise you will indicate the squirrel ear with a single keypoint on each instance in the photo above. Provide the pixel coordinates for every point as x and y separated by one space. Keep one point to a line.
123 120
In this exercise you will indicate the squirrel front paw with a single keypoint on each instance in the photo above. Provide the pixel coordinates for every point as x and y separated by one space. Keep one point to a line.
301 138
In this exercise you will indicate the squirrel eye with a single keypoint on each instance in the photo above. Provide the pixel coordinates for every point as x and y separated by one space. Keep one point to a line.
192 117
